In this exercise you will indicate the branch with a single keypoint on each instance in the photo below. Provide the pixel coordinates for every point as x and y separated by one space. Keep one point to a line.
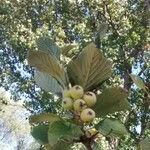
127 123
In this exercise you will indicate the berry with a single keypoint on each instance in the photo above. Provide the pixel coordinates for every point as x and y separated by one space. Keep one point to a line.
67 103
90 98
79 105
76 92
87 115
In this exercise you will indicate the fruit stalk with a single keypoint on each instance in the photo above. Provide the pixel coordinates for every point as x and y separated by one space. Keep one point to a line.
87 142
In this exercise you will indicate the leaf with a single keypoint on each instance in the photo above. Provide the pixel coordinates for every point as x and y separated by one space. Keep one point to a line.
90 68
47 83
111 127
145 144
47 64
44 117
43 80
102 29
61 130
138 81
97 146
40 133
61 145
65 49
46 44
111 100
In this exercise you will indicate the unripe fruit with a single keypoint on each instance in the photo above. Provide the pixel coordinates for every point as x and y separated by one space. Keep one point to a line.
66 93
79 105
90 98
76 92
67 103
91 132
87 115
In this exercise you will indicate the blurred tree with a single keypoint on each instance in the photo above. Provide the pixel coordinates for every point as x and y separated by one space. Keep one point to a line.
12 114
119 28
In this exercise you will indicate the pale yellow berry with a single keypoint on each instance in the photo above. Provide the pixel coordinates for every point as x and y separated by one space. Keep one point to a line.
67 103
76 92
90 98
87 115
79 105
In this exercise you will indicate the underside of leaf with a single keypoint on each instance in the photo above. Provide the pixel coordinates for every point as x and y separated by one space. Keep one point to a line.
47 64
46 44
47 82
90 68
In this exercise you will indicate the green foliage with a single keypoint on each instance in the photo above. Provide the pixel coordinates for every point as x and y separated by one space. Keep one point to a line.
44 117
111 100
111 127
40 133
102 30
90 68
64 131
67 22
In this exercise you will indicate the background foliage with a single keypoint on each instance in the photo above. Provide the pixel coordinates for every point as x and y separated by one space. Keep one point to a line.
119 28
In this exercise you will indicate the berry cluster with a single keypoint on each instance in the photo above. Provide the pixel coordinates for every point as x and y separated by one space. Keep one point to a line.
79 102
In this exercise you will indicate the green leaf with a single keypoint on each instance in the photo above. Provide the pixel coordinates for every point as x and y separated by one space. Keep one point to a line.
138 81
43 80
47 83
40 133
46 44
102 29
111 100
44 117
145 144
111 127
61 130
90 68
61 145
47 64
97 146
65 49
